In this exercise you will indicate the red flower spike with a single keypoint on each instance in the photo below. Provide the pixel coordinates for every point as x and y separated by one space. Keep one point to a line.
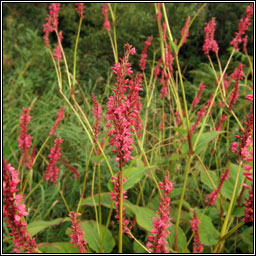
197 245
209 43
80 9
157 241
243 26
14 210
52 172
60 117
24 140
77 237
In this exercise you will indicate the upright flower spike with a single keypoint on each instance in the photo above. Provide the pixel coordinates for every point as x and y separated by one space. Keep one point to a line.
144 55
52 22
159 13
52 172
80 9
249 206
243 26
157 241
24 140
237 75
184 29
60 117
77 237
97 116
197 245
14 211
196 100
106 23
122 108
212 197
209 43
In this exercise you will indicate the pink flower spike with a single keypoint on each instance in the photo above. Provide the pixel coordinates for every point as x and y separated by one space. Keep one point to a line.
157 241
24 140
52 172
80 9
60 117
243 26
14 211
143 58
77 237
194 223
185 28
209 43
106 23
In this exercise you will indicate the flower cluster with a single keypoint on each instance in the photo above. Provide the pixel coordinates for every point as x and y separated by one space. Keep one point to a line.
212 197
77 238
52 172
209 43
115 196
72 168
97 116
185 28
157 241
80 9
197 245
243 26
60 117
196 100
14 211
143 58
52 22
24 140
106 23
237 75
123 108
159 13
249 205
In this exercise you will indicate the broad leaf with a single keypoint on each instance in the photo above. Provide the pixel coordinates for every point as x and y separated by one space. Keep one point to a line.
182 240
59 247
93 238
37 226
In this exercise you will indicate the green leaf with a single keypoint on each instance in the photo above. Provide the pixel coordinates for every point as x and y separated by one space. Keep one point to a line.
133 176
203 141
209 235
144 215
59 247
37 226
182 240
93 238
206 181
228 186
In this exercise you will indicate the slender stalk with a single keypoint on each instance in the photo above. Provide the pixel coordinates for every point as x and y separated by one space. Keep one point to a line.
84 184
63 198
106 227
34 188
99 195
120 235
226 220
138 242
93 199
75 53
190 157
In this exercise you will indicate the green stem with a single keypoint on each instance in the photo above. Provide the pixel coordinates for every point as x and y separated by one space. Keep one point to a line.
224 226
99 195
75 52
63 198
34 188
190 157
120 236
